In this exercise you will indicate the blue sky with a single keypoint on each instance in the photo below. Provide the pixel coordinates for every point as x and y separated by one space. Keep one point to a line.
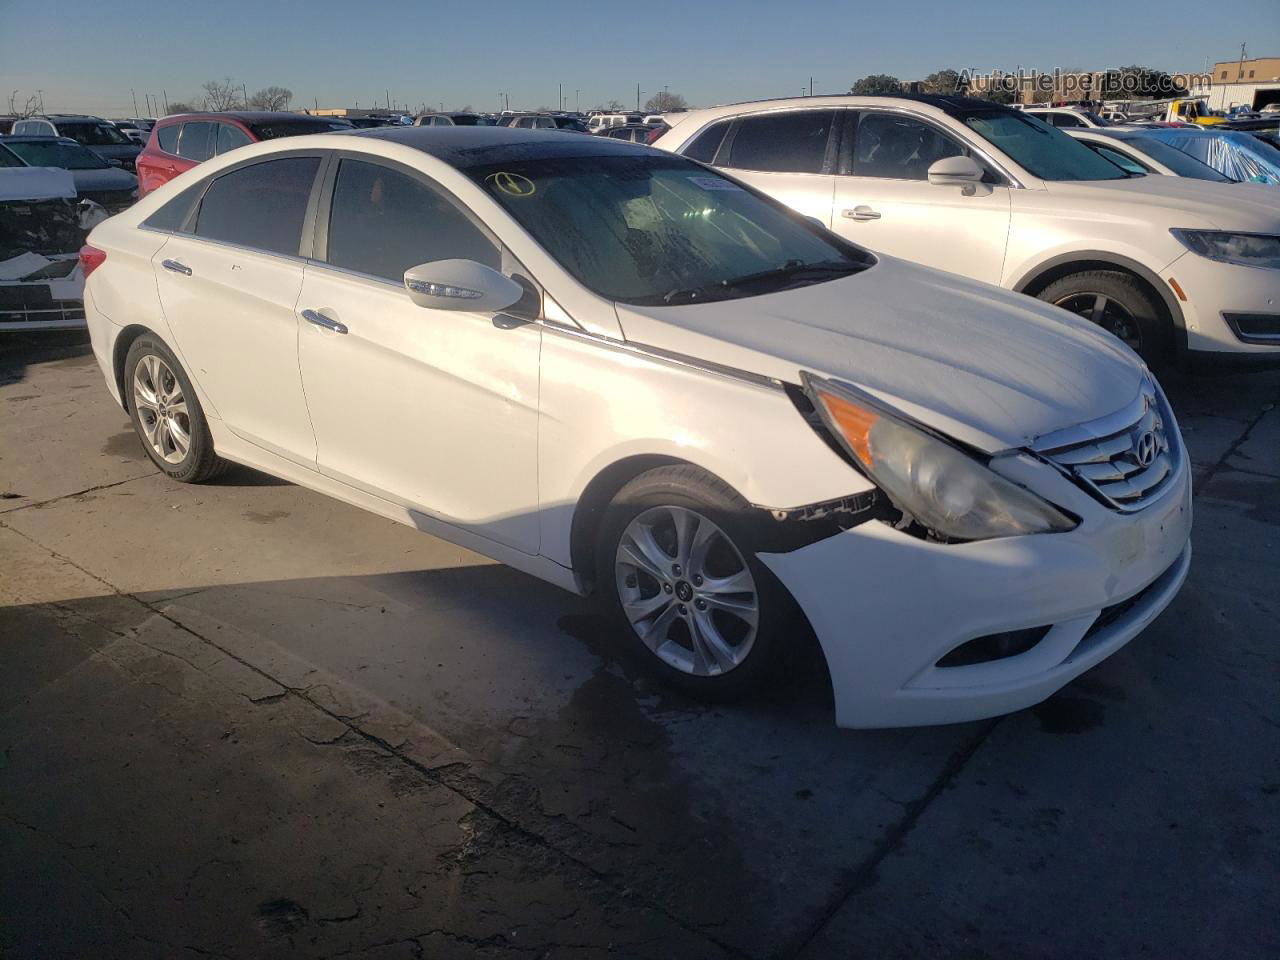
87 55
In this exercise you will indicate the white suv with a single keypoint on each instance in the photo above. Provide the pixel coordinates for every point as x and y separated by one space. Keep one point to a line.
1168 264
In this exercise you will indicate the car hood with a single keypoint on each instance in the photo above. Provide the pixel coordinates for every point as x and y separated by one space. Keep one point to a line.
111 179
117 151
1178 201
990 368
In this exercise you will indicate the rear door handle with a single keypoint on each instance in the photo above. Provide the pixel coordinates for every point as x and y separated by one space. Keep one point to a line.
860 212
177 267
320 320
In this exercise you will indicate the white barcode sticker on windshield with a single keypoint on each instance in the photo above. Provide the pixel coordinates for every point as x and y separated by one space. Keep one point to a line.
714 183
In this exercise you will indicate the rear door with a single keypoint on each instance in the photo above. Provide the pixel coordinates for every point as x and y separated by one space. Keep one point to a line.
436 410
229 283
884 200
790 155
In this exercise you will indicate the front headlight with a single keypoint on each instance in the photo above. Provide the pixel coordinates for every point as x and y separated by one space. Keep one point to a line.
1243 249
937 484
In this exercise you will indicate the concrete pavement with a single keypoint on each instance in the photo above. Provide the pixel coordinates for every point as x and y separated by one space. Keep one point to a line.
242 719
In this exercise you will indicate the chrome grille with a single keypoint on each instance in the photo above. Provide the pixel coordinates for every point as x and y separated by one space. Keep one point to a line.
1125 459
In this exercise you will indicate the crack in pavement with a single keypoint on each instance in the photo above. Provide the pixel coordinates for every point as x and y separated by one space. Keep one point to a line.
78 493
431 773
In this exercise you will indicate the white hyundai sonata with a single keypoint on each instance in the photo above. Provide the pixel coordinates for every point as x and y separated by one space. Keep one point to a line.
632 376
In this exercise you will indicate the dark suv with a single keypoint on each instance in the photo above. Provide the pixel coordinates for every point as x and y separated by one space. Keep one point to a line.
101 136
179 142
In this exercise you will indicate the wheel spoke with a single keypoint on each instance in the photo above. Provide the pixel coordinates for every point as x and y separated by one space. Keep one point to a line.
642 539
180 438
686 524
162 437
709 644
1099 308
658 630
739 582
744 610
643 608
178 408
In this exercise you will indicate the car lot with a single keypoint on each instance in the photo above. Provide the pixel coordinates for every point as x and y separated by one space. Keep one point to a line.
242 718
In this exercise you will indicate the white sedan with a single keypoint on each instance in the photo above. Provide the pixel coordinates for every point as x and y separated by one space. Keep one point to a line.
637 378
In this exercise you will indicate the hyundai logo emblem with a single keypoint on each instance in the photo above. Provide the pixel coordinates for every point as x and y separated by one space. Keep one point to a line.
1146 448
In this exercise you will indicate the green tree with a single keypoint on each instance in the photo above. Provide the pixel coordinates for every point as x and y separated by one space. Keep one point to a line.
1139 83
877 83
943 82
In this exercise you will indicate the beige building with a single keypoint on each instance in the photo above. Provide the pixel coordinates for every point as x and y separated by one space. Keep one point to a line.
1249 83
1258 70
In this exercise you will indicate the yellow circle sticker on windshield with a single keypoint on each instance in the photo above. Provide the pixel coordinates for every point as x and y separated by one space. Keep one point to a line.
512 184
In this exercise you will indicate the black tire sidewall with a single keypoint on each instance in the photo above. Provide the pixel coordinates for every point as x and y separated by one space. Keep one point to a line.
201 444
695 490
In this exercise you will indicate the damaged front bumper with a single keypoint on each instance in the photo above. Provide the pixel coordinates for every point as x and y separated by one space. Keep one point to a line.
887 607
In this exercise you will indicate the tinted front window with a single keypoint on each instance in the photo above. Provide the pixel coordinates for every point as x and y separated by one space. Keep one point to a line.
1037 147
663 230
260 206
383 222
1177 161
1125 163
787 142
68 156
704 146
93 134
9 159
196 142
900 148
167 137
230 137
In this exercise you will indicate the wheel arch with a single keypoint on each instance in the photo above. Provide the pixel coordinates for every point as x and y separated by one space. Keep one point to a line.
120 352
596 497
1064 265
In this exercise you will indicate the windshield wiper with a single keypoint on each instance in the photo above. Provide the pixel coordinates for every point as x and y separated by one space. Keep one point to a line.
791 270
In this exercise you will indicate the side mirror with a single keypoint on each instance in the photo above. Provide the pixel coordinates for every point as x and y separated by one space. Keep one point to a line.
955 172
461 285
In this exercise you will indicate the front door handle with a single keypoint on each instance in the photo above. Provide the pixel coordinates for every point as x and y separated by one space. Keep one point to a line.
320 320
860 212
177 267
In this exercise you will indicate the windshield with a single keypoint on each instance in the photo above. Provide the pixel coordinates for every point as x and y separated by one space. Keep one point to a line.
1042 150
1177 161
50 153
663 230
93 134
272 129
570 123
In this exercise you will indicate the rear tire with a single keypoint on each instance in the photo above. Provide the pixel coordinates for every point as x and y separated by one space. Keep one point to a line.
678 575
166 414
1121 304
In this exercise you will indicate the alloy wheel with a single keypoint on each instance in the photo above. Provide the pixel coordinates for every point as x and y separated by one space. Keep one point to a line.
162 409
687 591
1111 315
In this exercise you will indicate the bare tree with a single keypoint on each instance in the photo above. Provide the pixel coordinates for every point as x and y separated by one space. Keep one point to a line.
664 102
221 94
179 107
615 106
271 98
29 109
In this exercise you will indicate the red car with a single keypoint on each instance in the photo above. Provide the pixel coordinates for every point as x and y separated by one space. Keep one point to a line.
179 142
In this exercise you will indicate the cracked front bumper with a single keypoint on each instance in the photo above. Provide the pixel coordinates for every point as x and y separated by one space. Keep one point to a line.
886 607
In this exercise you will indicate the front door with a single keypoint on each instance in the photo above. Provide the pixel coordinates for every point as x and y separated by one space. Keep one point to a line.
436 410
229 291
884 200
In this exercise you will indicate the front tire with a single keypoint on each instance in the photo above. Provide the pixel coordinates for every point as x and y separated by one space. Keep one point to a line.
166 414
677 574
1121 304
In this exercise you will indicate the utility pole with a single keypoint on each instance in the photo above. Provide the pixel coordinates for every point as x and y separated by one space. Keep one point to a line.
166 99
811 86
135 101
637 98
388 93
1240 75
577 101
245 91
40 94
560 99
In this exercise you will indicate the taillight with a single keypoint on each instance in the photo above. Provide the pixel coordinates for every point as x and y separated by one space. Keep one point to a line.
91 258
658 130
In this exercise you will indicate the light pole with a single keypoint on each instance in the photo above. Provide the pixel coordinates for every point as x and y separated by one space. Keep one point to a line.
577 102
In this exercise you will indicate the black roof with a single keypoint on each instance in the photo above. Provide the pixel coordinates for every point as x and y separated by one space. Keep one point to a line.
258 116
465 147
39 138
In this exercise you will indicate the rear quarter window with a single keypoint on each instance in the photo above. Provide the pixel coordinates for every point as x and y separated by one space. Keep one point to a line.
167 138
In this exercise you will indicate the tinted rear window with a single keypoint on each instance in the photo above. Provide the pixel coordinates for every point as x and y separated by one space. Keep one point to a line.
786 142
196 142
704 146
167 137
272 129
260 206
